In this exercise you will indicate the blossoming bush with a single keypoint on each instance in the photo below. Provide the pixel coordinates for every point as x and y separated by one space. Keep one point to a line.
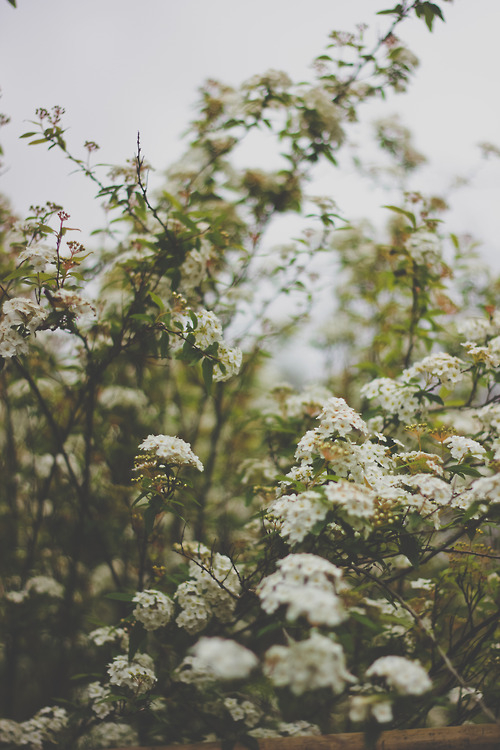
186 556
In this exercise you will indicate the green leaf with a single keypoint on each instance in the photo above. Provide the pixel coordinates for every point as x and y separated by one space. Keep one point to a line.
207 367
157 301
366 621
31 133
120 596
13 3
408 214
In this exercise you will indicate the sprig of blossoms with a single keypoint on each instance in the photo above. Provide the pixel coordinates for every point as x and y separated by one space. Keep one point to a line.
172 451
137 675
153 609
405 676
306 584
223 658
317 662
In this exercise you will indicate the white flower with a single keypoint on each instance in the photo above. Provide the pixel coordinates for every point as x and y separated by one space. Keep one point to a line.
45 585
425 584
405 676
336 417
424 247
459 446
109 634
225 659
243 711
297 514
317 662
154 609
464 695
11 341
39 257
393 397
230 358
355 499
447 369
23 311
137 675
97 693
305 583
171 450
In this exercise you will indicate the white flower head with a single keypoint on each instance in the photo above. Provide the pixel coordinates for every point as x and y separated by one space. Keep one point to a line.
153 609
171 450
405 676
223 658
317 662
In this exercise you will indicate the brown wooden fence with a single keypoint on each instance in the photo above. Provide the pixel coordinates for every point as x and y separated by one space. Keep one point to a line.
466 737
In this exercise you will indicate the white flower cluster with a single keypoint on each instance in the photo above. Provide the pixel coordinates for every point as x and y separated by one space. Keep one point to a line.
109 634
460 446
171 450
488 354
480 329
317 662
424 248
308 403
211 592
40 257
428 494
297 514
485 490
153 609
43 727
394 398
18 313
223 659
337 418
441 366
306 585
68 300
98 694
108 734
194 268
42 585
405 676
355 499
118 395
137 675
245 711
364 706
209 331
326 116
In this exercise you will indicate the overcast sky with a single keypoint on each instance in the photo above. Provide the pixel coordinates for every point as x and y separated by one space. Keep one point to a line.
119 66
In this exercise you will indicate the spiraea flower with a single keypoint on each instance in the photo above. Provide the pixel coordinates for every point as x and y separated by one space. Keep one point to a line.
317 662
404 676
170 450
223 658
153 609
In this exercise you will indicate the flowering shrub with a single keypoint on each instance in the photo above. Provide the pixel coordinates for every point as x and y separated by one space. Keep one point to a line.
186 559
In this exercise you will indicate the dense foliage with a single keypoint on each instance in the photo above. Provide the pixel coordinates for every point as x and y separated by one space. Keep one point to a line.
192 551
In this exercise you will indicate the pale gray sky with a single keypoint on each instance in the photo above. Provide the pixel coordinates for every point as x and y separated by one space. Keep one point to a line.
119 66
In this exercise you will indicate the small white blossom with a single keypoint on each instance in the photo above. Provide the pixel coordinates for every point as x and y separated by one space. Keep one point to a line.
223 658
460 446
405 676
306 585
317 662
154 609
137 675
171 450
